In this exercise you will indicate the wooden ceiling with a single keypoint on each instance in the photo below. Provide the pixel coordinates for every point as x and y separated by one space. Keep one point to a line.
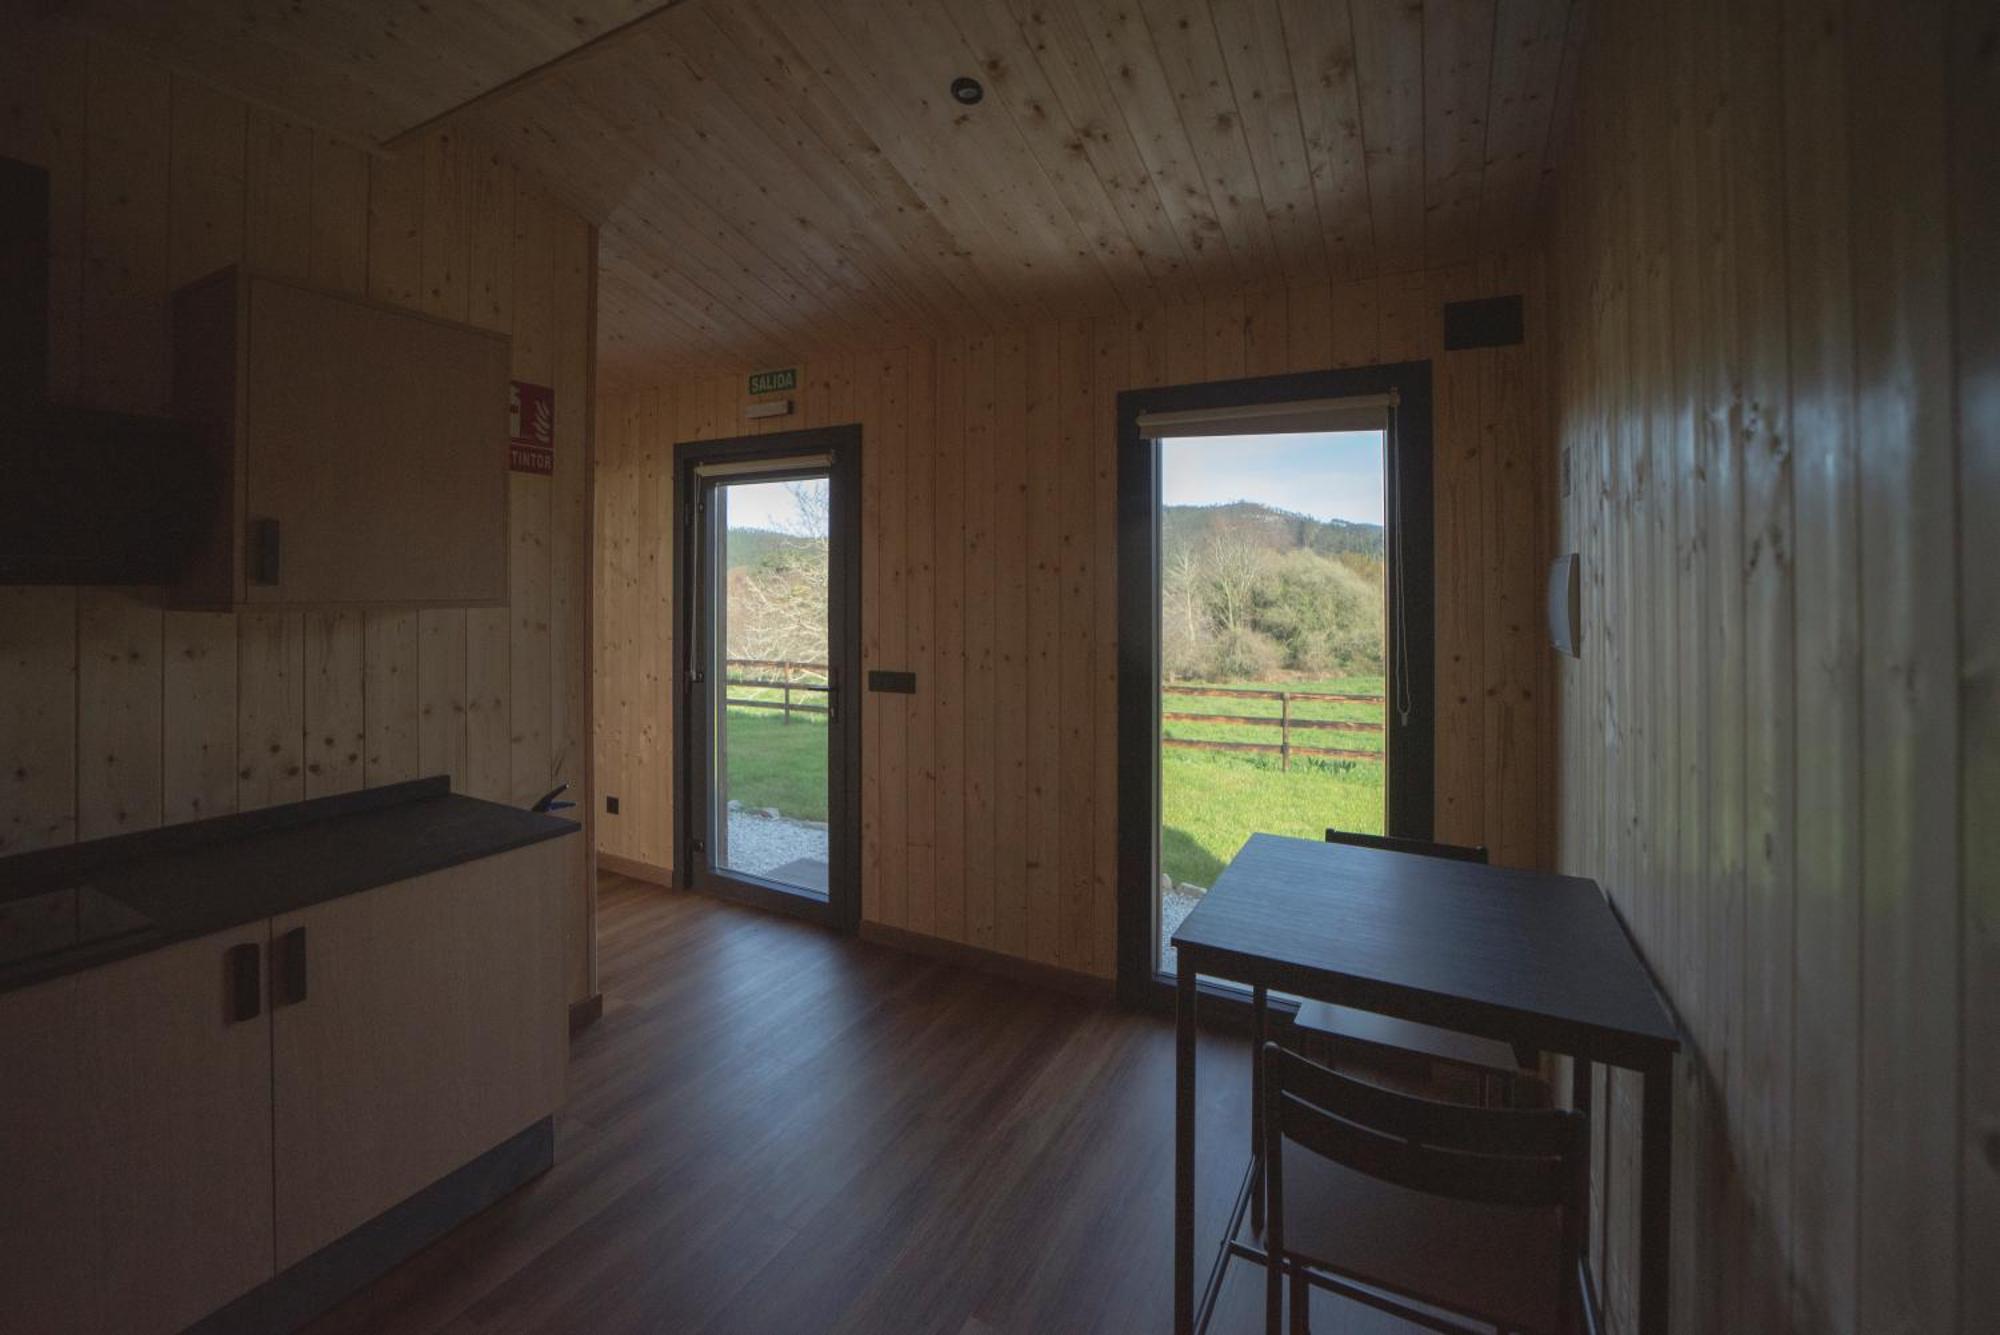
372 70
778 176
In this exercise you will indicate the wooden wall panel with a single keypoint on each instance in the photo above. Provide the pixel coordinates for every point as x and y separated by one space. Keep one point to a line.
530 508
1041 652
1007 697
118 714
118 776
1770 748
38 684
920 710
989 567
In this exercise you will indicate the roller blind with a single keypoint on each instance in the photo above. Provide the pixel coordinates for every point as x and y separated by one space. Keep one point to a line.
1361 412
739 467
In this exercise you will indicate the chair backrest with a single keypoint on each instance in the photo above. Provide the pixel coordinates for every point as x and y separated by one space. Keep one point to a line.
1538 1159
1424 847
1502 1156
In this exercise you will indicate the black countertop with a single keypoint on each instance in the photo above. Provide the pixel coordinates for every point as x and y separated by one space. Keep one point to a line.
207 876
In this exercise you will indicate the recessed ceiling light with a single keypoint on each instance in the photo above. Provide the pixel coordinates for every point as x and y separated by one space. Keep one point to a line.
967 90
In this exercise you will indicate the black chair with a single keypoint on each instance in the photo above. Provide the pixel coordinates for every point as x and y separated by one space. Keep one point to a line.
1495 1065
1435 1212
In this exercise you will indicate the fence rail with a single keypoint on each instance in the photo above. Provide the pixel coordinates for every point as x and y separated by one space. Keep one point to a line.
785 685
1283 721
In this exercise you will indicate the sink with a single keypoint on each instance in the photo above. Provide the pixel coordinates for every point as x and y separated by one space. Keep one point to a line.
75 917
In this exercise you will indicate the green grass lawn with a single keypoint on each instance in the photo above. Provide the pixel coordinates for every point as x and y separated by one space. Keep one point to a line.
773 763
1211 801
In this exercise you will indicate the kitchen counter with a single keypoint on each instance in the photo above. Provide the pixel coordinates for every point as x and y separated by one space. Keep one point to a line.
134 893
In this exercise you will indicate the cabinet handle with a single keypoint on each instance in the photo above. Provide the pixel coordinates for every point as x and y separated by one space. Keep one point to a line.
246 995
288 973
265 551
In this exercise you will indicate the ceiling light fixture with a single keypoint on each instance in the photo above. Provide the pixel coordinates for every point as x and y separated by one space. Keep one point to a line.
967 90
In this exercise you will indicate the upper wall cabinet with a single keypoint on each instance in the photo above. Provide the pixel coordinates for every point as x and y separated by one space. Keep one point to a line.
358 451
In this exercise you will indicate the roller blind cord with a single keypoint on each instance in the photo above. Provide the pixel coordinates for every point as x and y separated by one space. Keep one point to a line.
1404 704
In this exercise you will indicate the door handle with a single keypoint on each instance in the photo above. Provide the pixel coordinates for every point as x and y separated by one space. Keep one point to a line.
265 551
244 965
288 968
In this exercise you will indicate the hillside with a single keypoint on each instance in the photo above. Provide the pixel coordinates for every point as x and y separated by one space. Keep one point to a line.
1262 525
1266 527
756 546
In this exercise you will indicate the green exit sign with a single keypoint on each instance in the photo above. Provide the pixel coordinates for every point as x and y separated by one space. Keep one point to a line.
771 382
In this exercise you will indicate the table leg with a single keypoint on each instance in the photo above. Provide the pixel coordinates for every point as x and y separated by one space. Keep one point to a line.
1656 1172
1184 997
1579 1101
1260 1017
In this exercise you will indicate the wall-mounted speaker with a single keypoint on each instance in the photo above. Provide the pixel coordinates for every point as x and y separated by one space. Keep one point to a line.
1566 605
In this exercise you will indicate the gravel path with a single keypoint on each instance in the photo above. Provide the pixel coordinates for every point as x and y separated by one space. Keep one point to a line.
1175 905
758 843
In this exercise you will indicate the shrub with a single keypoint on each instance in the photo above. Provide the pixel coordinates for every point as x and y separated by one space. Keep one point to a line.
1242 654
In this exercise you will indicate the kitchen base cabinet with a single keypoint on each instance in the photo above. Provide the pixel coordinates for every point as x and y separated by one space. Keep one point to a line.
249 1064
177 1114
45 1205
136 1113
418 1026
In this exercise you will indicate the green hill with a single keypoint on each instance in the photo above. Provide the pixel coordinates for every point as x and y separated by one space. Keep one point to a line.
1267 527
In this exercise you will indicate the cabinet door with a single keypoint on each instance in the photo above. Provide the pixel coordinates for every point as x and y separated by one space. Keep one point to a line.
136 1195
377 439
432 1027
45 1168
177 1094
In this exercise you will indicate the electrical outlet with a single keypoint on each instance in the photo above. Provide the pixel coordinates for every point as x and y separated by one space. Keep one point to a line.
610 806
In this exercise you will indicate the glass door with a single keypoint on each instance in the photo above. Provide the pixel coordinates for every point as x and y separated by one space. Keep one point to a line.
765 600
770 703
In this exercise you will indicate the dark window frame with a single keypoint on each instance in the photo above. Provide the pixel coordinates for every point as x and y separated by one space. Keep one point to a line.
841 909
1410 565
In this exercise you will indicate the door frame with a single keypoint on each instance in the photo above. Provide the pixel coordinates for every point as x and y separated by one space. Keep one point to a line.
1410 565
842 445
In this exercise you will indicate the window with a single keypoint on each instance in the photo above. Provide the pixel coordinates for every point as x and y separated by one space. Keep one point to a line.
1275 626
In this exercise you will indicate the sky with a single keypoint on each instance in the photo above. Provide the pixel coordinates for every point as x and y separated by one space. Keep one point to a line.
769 505
1325 474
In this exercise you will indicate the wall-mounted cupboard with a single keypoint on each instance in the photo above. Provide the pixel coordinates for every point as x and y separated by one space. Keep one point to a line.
357 451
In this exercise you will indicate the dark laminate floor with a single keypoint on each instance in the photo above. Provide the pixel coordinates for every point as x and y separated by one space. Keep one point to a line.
775 1129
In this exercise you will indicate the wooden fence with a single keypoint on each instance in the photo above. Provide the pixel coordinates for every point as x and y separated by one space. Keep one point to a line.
786 683
1283 721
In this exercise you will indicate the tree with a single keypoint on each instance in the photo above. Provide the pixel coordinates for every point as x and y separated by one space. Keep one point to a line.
778 605
1234 570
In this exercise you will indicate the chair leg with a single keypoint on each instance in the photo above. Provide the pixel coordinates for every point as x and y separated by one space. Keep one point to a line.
1274 1295
1301 1302
1259 1023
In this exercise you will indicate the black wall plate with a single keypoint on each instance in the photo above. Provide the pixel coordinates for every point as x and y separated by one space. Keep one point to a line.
1492 323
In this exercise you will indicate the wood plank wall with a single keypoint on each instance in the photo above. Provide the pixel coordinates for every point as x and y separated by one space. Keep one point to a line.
117 715
1783 481
988 568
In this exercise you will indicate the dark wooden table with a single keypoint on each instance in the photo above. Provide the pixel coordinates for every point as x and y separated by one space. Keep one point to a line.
1526 957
